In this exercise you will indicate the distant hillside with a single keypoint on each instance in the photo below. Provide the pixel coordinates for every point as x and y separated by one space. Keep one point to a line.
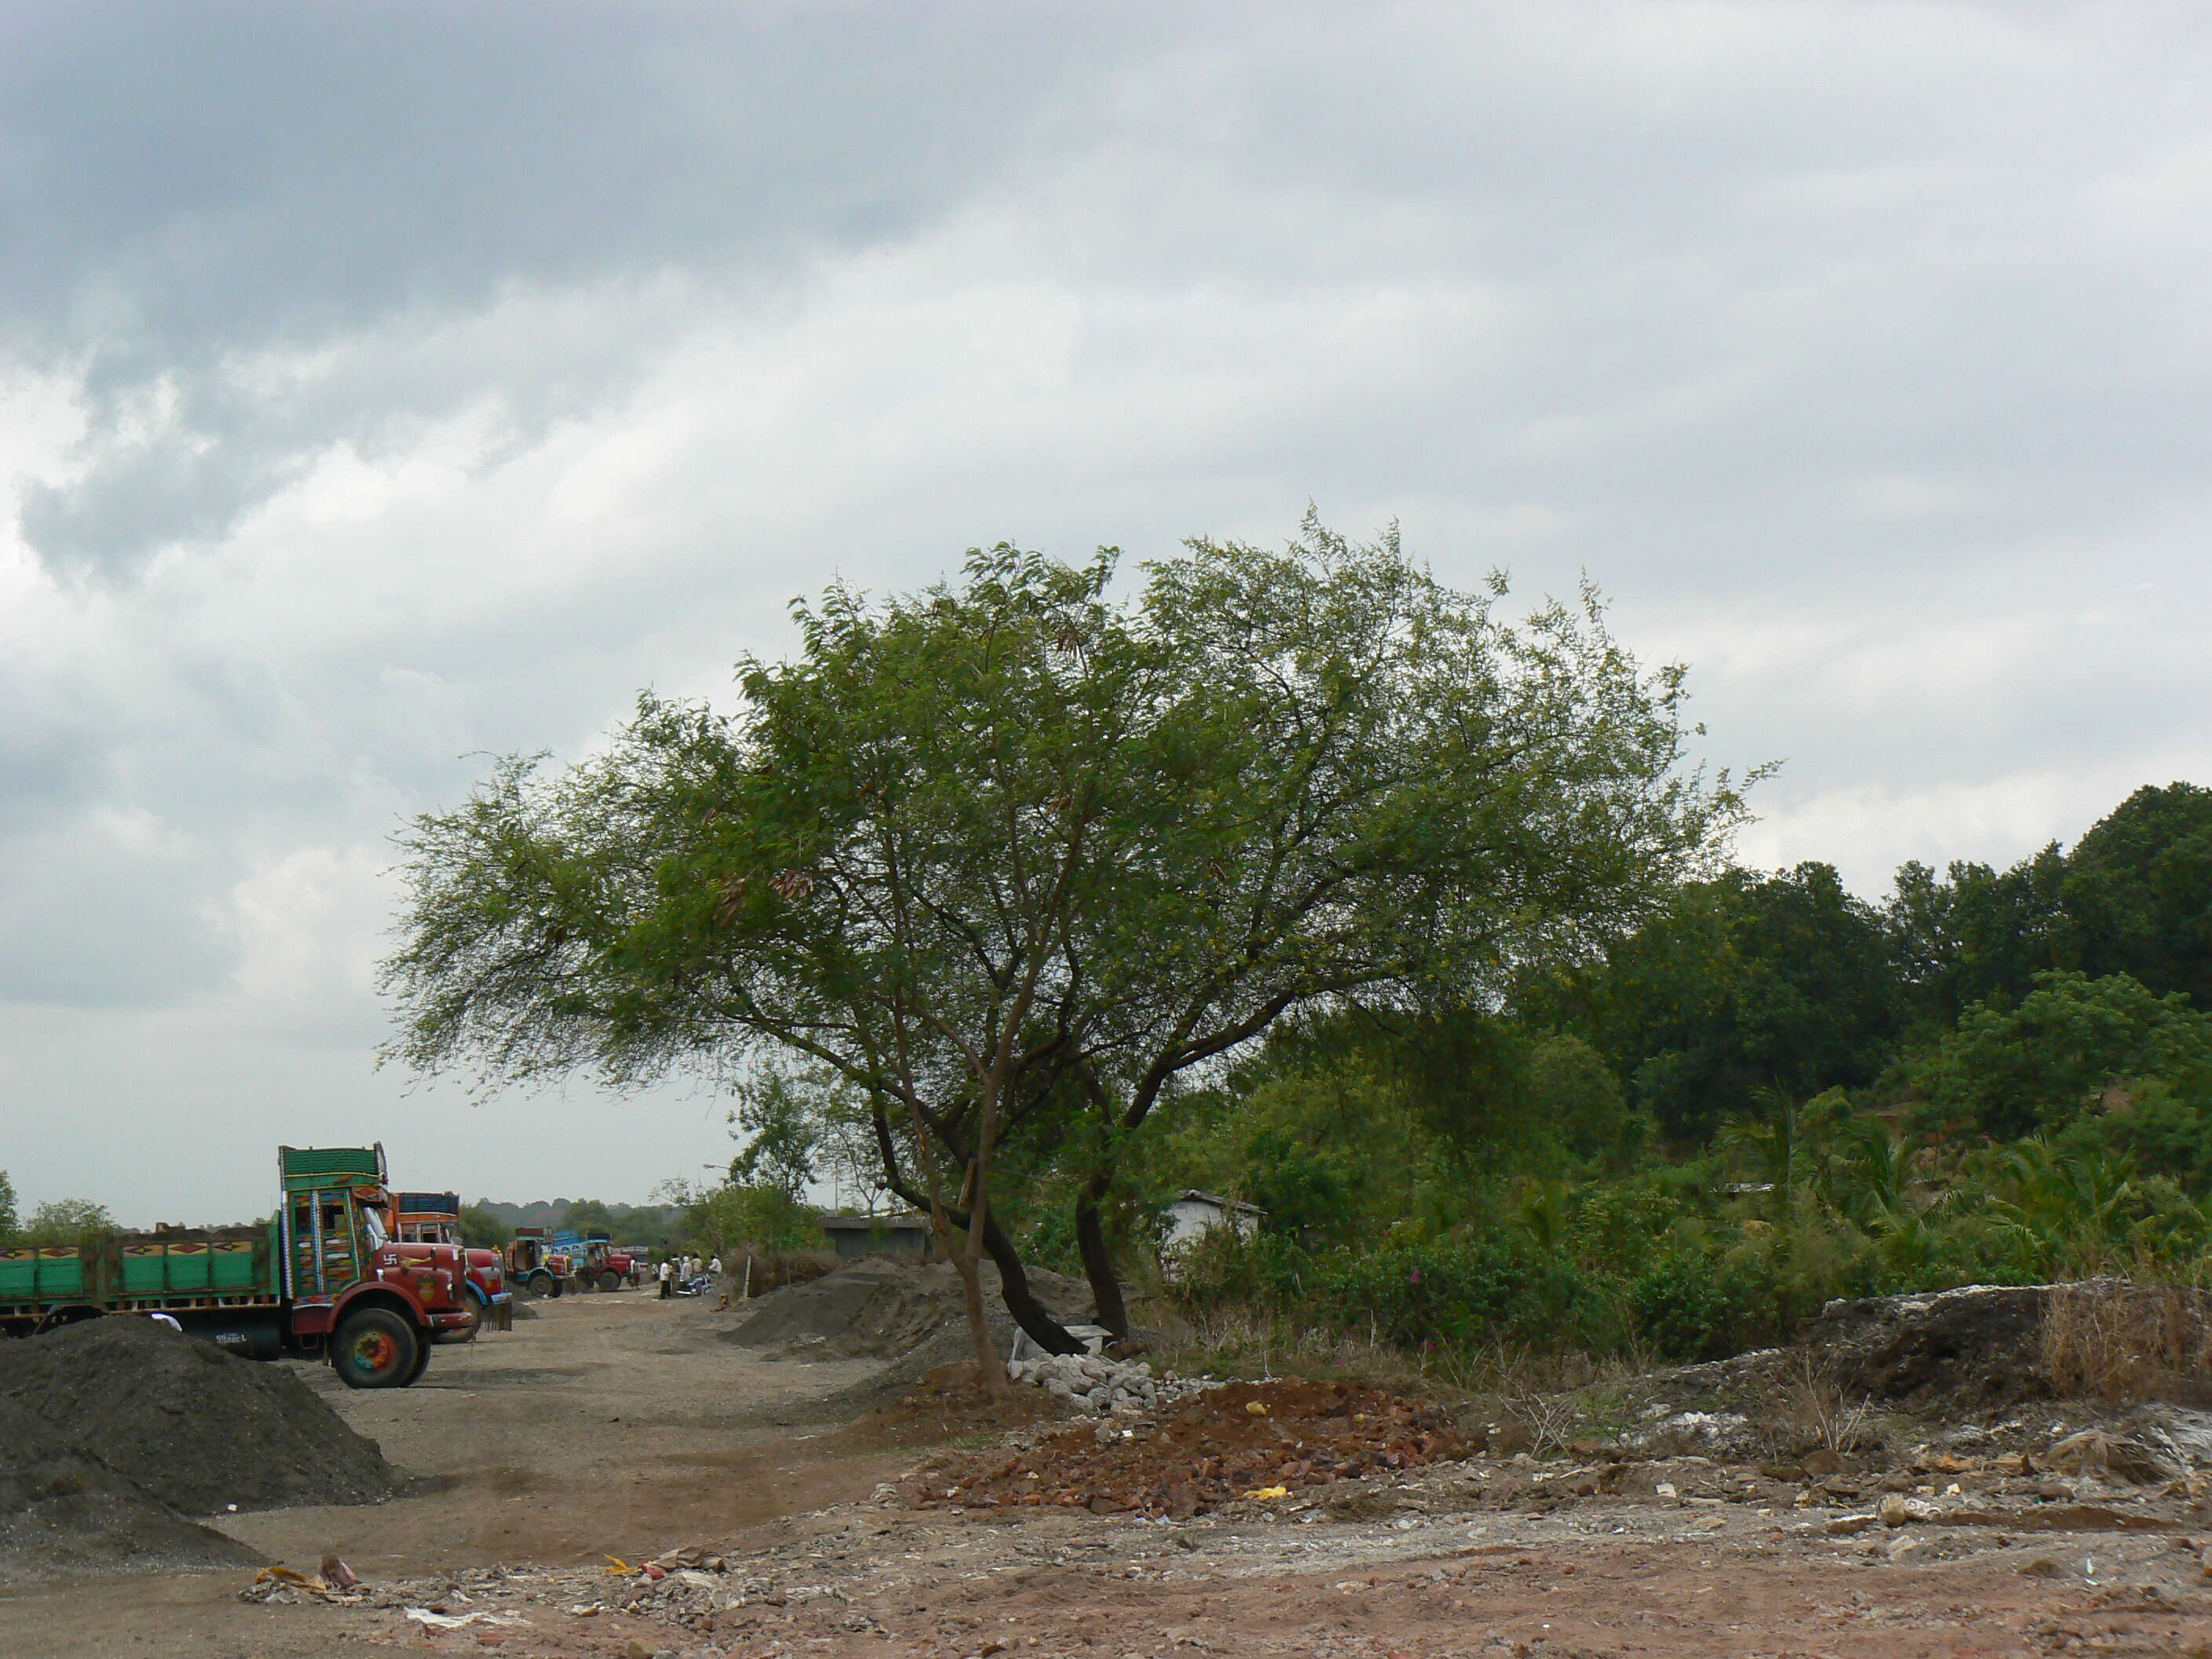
641 1224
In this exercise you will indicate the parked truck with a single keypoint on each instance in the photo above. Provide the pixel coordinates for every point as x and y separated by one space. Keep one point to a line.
539 1263
605 1267
435 1218
322 1278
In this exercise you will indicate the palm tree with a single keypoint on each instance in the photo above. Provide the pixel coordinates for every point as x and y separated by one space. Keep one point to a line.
1770 1145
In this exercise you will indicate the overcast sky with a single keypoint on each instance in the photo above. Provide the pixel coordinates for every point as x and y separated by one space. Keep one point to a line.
383 385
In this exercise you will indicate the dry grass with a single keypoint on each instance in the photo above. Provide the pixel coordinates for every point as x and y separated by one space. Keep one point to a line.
2118 1341
1507 1382
1816 1412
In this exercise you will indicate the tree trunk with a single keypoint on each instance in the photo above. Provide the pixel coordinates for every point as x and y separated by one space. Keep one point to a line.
990 1364
1032 1314
1097 1260
1021 1301
990 1368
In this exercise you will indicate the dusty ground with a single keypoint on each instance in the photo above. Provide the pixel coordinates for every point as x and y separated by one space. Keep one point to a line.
612 1423
806 1546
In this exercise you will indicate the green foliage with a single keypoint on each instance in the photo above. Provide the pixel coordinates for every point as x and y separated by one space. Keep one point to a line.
1687 1307
589 1217
2163 1129
1976 934
7 1209
2139 886
1744 983
1452 1293
721 1221
66 1221
785 1118
1619 1226
2008 1071
483 1230
1568 1094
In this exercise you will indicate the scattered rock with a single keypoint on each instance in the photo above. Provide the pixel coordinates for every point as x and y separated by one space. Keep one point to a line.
1899 1512
1093 1383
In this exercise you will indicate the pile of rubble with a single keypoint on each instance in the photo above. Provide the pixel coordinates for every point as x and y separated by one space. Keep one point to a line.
1103 1386
1231 1441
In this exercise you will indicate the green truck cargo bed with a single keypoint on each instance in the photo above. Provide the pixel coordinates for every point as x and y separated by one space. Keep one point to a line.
192 1266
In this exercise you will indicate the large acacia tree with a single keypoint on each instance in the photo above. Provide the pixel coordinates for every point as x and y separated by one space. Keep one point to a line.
1012 855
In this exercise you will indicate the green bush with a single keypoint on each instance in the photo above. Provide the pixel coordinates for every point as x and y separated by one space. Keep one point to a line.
1450 1293
1689 1307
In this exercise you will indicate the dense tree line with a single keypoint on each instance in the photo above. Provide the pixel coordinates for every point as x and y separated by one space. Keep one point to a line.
1771 1092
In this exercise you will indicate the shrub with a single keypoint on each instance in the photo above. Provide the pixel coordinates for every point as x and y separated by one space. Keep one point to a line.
1689 1307
1461 1293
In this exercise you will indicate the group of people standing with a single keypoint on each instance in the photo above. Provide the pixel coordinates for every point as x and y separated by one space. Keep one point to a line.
683 1269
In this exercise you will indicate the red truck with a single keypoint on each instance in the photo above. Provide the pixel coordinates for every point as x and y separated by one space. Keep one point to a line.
606 1268
435 1218
322 1279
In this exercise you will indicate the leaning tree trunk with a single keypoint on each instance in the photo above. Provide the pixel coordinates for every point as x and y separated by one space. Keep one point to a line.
1098 1259
1032 1314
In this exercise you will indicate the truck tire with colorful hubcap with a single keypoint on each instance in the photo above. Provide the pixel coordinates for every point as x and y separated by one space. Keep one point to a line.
375 1348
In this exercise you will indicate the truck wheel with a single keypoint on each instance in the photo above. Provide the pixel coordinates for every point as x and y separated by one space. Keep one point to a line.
541 1283
421 1363
611 1280
477 1306
374 1348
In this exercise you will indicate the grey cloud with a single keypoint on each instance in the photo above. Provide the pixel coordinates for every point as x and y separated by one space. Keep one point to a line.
190 187
263 171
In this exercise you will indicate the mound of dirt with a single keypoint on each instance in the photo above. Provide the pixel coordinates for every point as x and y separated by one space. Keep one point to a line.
1978 1346
944 1403
1988 1346
198 1429
882 1308
1228 1442
64 1513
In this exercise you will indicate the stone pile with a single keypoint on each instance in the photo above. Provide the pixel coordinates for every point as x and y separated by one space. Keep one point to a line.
1104 1388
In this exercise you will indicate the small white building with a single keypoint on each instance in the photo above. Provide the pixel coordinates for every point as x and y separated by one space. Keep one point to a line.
1192 1214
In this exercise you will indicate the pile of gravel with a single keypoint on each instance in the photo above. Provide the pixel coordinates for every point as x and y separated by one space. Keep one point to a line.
882 1308
65 1514
198 1429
